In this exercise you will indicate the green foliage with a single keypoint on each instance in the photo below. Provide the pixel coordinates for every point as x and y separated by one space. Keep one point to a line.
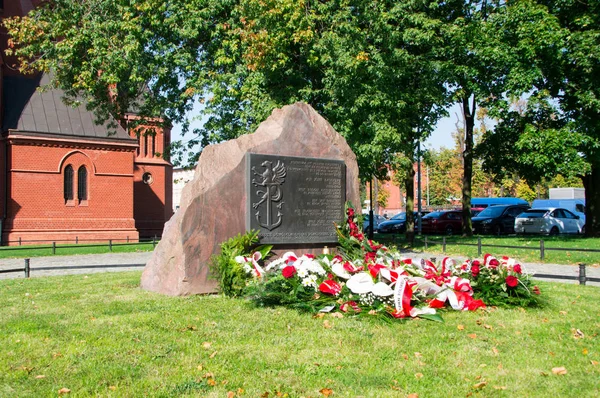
230 273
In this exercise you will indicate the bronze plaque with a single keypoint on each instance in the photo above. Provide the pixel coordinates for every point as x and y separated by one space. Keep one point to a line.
293 199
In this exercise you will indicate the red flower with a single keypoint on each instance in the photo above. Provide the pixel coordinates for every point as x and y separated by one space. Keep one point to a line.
288 271
512 281
476 262
374 269
373 246
493 263
517 269
396 314
435 303
330 287
473 305
350 212
351 268
370 257
475 270
536 290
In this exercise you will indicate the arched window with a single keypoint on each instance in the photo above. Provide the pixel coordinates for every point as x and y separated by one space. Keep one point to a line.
82 184
68 183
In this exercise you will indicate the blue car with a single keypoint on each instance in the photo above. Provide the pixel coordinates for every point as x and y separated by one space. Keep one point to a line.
377 219
396 224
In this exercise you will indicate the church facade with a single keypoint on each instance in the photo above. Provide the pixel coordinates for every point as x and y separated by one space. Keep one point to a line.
64 178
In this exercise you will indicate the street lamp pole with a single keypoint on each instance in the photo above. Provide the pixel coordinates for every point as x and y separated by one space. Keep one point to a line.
371 226
419 185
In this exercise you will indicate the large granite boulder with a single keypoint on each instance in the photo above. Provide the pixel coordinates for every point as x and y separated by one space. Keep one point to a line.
213 204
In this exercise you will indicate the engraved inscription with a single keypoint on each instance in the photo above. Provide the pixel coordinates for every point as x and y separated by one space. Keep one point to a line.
307 205
272 177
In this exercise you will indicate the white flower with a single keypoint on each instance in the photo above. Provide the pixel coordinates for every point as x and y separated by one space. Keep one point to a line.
338 269
310 280
302 272
279 263
382 289
360 283
247 268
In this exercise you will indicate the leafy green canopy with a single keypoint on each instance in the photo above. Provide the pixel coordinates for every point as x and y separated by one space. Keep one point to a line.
363 65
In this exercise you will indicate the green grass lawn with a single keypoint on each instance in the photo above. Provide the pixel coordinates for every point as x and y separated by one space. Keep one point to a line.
28 251
528 251
100 335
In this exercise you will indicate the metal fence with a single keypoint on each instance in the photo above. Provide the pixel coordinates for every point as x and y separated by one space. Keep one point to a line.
480 246
110 243
27 268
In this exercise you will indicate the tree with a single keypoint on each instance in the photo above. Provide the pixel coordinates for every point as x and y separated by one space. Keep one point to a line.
558 130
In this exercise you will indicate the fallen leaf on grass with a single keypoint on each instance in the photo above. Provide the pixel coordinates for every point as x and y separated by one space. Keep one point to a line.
419 375
265 395
559 371
230 394
500 387
200 367
480 385
413 395
319 315
209 375
326 391
206 345
327 324
472 335
112 388
563 312
594 363
337 315
211 382
40 377
577 334
56 355
225 382
489 327
213 355
418 354
405 356
495 350
63 391
460 327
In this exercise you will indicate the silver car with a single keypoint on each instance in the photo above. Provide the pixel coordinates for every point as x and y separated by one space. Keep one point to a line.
550 221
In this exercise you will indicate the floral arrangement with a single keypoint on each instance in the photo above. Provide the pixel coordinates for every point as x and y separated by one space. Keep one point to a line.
367 278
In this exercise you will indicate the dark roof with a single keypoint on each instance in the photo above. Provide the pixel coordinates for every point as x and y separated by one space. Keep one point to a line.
30 110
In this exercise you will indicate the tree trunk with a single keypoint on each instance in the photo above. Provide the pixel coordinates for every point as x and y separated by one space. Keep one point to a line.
409 186
469 115
591 183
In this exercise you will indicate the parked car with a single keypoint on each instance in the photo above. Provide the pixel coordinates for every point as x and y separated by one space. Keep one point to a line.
497 219
442 222
396 224
551 221
377 219
575 206
486 202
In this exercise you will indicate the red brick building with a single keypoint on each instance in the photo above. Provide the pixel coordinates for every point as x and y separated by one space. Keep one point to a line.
62 177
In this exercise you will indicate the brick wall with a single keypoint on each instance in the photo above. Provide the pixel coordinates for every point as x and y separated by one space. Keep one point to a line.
37 209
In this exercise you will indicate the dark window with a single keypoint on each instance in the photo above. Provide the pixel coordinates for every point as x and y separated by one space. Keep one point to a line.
82 183
68 183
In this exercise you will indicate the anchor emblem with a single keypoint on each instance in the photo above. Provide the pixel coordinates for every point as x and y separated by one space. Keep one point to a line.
272 177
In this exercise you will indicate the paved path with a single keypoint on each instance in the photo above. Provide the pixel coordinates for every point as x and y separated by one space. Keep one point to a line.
136 261
119 262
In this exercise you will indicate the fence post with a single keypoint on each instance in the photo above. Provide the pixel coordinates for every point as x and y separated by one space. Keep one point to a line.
77 240
444 244
426 243
542 251
479 246
110 245
582 277
27 269
154 242
19 241
127 238
53 247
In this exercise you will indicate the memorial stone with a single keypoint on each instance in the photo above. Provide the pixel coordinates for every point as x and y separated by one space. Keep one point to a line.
289 179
